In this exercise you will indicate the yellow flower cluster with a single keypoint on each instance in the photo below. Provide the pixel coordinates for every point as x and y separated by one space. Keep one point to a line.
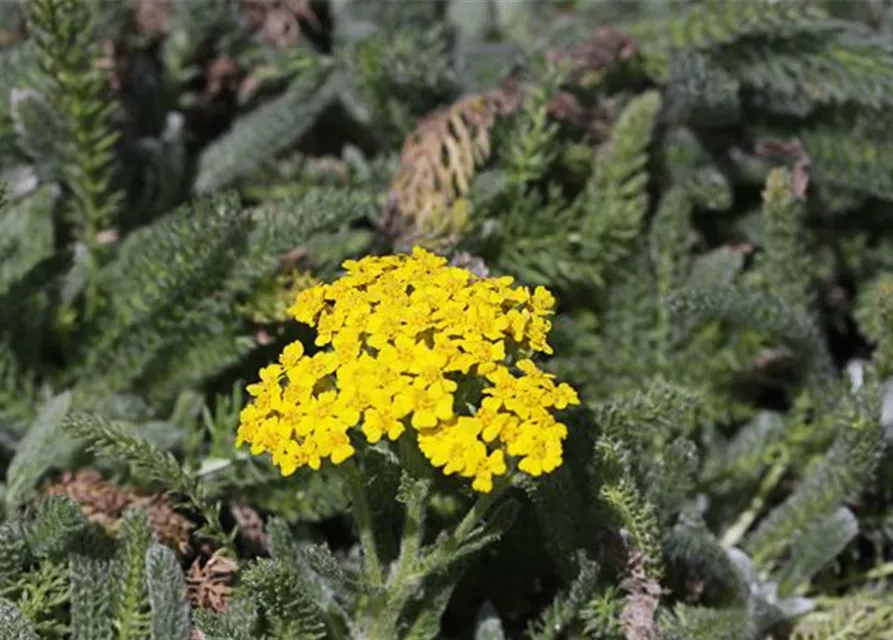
415 344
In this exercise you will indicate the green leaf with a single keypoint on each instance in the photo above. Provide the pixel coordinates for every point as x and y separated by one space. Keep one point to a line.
43 447
91 598
131 595
37 129
167 595
266 131
489 626
113 441
14 625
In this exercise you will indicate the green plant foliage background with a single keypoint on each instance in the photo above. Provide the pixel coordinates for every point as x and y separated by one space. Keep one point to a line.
706 186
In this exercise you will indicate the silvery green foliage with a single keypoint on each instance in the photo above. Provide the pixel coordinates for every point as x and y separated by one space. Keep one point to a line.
286 598
131 596
489 626
91 598
22 180
13 549
37 131
170 618
26 235
13 625
840 475
566 606
56 525
887 411
265 132
764 605
750 308
817 547
239 621
44 446
717 267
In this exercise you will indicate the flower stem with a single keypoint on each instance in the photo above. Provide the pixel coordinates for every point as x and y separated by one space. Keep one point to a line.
384 614
362 515
412 567
443 553
413 531
474 515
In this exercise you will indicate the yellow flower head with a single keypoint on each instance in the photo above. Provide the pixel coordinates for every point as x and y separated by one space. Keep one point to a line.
403 338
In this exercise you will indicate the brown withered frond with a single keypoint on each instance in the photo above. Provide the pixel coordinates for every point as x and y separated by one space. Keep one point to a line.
438 162
440 157
171 528
637 618
104 503
210 586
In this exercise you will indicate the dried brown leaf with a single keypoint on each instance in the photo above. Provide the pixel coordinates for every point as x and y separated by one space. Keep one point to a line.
637 617
104 503
209 586
441 155
440 158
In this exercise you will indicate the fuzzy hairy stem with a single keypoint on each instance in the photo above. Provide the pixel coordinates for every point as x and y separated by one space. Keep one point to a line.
412 568
362 514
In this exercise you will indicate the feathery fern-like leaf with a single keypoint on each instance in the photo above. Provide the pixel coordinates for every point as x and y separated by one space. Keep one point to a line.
167 595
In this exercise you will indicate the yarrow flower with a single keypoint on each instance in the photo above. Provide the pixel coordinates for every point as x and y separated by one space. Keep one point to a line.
413 347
